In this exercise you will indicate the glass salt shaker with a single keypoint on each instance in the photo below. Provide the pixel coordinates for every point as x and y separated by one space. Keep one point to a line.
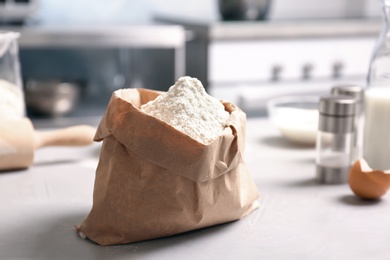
376 144
357 93
335 139
11 89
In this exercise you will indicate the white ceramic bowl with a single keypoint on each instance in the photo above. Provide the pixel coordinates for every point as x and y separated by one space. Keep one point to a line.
296 117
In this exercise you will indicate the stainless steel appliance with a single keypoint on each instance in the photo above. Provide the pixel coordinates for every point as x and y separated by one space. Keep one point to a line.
17 10
103 58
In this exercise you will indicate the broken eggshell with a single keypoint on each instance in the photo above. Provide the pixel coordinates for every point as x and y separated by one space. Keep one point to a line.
367 183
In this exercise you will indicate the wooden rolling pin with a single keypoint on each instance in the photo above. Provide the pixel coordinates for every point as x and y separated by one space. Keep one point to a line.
19 140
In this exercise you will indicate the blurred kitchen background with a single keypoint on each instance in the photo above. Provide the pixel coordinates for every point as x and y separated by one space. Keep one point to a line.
296 46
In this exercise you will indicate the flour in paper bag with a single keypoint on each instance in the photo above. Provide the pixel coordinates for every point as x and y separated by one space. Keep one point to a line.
11 108
11 101
188 108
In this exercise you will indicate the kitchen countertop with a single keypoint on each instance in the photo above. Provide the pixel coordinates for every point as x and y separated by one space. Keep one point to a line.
216 30
65 36
297 218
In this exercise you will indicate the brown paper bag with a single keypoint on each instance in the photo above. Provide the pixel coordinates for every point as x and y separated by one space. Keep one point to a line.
154 181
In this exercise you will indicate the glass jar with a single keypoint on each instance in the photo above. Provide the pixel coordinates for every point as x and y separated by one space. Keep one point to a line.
11 89
376 144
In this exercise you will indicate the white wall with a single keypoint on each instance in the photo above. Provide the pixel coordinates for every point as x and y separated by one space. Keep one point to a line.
93 11
197 8
126 11
280 9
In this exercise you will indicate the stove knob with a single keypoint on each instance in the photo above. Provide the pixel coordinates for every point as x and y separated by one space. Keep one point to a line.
307 70
276 72
338 67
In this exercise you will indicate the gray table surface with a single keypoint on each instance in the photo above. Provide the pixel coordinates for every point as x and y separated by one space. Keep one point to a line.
297 218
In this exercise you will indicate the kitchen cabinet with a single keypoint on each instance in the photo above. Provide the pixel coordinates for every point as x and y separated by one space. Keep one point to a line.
297 219
251 62
282 40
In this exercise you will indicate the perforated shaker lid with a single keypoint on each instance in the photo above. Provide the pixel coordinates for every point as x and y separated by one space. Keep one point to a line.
337 106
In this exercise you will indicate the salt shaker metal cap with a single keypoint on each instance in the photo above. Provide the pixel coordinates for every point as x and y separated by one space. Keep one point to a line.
336 114
355 91
337 106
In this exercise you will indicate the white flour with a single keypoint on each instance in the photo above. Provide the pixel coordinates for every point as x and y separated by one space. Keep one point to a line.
188 108
11 100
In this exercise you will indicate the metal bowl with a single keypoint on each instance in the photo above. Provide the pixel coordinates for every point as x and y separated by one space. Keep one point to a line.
51 97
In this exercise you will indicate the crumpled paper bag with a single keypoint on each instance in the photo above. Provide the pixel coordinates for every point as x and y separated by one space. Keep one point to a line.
154 181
